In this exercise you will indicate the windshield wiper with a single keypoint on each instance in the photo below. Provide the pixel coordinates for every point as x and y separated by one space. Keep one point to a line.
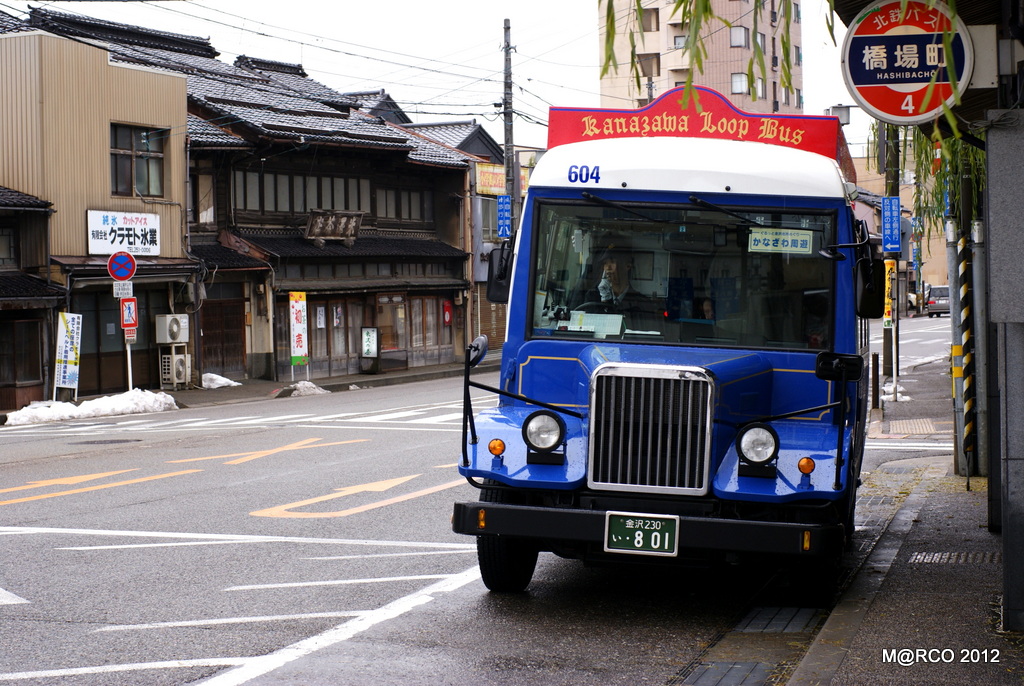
711 206
622 208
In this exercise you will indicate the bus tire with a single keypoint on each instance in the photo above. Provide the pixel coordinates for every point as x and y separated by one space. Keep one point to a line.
506 562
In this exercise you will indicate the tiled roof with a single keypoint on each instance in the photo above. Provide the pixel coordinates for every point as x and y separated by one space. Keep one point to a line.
87 27
215 255
452 133
15 284
10 198
295 245
467 136
255 97
11 24
205 134
379 104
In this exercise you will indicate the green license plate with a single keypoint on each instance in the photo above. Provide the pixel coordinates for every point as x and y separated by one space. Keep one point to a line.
641 534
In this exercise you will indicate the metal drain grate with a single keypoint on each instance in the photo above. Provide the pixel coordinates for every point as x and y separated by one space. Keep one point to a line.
956 558
729 674
779 619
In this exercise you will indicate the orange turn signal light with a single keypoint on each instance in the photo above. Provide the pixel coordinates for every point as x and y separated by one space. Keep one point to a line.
805 465
496 447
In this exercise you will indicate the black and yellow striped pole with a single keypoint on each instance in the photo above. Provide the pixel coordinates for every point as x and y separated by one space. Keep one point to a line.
963 302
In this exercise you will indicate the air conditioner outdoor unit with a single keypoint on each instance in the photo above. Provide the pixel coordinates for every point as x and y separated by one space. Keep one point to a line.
175 369
172 328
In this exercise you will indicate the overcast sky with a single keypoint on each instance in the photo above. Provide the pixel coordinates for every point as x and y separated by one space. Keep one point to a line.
439 59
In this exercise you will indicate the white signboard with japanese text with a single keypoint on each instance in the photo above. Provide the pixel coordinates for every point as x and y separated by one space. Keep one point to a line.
69 341
136 233
298 328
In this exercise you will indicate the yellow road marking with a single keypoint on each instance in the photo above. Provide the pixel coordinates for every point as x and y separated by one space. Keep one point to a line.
256 454
286 510
97 488
66 481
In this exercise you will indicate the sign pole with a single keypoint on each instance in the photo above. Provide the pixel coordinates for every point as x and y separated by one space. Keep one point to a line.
128 348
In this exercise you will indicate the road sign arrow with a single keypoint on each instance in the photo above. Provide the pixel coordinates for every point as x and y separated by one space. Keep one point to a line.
65 481
285 510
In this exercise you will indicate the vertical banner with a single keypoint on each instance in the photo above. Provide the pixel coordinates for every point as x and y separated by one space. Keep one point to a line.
69 341
297 328
890 273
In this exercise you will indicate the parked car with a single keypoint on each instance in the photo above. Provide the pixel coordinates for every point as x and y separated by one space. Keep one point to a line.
938 301
912 296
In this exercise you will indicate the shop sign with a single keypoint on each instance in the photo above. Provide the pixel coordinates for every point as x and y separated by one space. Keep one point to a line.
132 232
490 179
370 342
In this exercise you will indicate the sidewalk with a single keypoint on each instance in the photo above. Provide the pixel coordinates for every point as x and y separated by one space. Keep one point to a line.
261 389
923 608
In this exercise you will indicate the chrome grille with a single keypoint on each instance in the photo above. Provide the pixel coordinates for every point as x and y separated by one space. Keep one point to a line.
650 429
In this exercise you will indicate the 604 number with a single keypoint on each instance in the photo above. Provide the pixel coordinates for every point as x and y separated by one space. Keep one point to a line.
581 173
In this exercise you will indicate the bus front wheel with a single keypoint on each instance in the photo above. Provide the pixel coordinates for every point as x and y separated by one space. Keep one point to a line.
506 564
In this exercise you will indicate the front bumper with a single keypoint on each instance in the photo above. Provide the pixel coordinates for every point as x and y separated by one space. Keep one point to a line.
695 533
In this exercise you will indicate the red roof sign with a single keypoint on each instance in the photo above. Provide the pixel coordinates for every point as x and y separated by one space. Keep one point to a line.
896 61
706 114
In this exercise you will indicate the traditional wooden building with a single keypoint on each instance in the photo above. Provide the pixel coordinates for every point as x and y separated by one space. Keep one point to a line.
294 189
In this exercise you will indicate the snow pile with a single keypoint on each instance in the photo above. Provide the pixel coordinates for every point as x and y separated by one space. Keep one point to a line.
216 381
306 388
135 401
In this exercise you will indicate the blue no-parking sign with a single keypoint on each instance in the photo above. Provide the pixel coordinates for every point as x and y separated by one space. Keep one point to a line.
891 224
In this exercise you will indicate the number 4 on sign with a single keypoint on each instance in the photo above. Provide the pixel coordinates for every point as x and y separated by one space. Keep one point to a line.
908 104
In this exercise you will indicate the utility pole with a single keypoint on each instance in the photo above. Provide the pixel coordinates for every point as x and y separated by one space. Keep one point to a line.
511 163
890 157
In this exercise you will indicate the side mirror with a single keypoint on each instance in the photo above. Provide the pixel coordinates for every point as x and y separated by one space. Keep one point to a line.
477 350
499 274
869 288
835 366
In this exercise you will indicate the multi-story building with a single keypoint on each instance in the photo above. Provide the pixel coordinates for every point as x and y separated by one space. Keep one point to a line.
101 146
235 186
665 55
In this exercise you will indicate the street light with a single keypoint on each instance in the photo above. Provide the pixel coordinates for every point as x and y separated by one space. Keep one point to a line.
840 111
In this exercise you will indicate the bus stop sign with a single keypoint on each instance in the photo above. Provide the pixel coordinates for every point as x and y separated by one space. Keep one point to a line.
895 61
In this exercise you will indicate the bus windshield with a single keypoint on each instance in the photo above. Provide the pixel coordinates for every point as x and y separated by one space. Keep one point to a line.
683 275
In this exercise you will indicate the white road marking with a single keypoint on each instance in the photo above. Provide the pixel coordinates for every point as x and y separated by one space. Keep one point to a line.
900 444
439 419
388 416
265 664
230 620
137 666
416 554
280 418
338 582
229 537
151 545
8 598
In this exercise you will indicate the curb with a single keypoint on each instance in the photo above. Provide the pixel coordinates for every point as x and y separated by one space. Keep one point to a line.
832 642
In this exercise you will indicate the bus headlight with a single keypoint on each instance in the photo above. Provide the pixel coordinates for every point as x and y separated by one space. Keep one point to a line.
758 444
543 431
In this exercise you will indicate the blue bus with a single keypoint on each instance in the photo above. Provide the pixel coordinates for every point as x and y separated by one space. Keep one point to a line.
682 373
